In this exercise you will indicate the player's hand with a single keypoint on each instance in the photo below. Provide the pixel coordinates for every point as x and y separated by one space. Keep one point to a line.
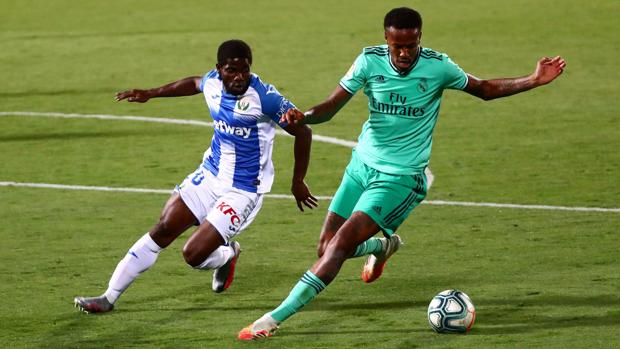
548 69
292 116
139 96
303 196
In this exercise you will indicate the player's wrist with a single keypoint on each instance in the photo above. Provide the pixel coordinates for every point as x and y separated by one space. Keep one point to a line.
297 180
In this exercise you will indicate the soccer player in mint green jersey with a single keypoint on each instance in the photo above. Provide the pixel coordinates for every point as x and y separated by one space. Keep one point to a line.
385 179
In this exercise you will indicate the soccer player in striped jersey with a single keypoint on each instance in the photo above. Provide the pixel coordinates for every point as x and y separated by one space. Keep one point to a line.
223 196
385 179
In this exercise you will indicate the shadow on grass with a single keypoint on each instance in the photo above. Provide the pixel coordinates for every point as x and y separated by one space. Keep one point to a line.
495 317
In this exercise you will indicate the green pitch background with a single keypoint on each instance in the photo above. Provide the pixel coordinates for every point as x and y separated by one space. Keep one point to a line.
538 278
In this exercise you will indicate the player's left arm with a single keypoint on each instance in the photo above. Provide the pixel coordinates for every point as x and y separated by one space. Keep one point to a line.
303 142
547 70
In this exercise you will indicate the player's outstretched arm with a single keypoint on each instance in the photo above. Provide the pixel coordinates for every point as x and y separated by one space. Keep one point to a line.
303 142
184 87
547 70
321 112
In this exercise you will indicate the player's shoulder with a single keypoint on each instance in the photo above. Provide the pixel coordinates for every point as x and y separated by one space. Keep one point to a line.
212 74
261 87
375 51
432 55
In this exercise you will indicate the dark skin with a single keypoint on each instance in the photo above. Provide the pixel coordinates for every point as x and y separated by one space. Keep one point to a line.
340 236
176 217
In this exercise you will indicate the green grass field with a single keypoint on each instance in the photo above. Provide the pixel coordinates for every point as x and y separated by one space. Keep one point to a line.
538 278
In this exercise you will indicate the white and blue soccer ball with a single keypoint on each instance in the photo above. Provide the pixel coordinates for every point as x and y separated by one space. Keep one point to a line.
451 311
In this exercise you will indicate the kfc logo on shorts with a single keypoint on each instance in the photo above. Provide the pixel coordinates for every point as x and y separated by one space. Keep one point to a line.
229 211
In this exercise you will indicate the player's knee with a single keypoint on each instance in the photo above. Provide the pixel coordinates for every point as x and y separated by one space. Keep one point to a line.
192 258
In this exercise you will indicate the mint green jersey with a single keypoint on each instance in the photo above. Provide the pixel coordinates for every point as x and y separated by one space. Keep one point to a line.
404 106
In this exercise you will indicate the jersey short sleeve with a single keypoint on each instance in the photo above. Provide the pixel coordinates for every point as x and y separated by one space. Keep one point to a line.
274 104
356 77
454 77
208 75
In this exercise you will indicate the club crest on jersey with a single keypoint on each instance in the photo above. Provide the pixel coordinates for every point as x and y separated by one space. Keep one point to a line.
243 104
422 85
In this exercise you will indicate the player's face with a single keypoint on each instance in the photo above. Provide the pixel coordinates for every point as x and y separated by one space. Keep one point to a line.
235 75
403 45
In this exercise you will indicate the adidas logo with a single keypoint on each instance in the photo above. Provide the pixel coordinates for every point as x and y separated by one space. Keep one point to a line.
377 209
380 78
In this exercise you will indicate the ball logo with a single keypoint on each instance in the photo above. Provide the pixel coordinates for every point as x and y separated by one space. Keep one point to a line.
229 211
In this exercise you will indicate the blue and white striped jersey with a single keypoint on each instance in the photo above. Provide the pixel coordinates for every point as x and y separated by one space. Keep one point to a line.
244 130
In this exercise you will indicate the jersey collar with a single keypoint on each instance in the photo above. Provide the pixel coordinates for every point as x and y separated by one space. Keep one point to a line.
405 72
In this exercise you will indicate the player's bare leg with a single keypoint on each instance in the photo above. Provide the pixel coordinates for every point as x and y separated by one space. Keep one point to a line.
207 249
378 250
174 220
357 229
332 223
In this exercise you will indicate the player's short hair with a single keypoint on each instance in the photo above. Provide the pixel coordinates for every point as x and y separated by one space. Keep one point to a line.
403 18
233 49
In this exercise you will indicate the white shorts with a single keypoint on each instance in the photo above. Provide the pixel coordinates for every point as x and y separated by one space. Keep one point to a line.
228 209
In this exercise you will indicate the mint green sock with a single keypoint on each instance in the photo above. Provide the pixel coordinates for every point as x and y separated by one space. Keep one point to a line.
370 246
306 289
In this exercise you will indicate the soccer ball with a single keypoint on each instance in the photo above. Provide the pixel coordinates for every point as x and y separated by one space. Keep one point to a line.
451 311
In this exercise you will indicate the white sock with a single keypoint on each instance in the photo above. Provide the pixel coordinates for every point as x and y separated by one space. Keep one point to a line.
141 256
217 258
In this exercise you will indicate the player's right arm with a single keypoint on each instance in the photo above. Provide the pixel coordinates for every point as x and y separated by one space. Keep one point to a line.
184 87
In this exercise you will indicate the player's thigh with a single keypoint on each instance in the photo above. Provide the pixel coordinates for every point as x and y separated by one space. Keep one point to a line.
175 219
231 213
389 199
350 190
202 243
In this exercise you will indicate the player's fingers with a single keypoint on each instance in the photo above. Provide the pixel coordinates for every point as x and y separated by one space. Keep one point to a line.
310 204
288 119
301 208
312 200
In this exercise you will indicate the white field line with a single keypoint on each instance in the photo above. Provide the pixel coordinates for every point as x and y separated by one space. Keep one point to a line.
289 197
325 139
319 138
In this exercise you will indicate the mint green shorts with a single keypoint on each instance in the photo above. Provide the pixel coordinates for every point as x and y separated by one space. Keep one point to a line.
386 198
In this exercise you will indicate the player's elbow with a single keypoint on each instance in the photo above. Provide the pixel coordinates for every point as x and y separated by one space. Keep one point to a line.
484 91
